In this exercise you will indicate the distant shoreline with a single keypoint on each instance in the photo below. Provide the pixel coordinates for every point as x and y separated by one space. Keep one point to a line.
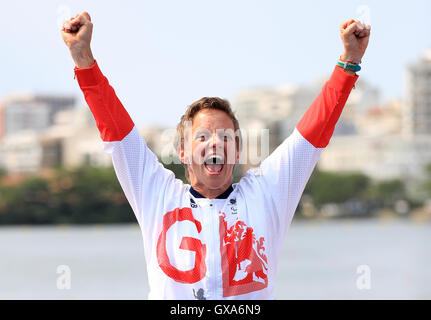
301 220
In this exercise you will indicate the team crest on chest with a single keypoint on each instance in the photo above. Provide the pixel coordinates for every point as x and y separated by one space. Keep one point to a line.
244 263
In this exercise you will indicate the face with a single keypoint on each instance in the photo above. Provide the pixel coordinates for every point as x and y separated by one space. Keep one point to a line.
211 151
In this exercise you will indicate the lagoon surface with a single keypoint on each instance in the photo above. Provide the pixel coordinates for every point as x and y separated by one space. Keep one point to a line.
320 260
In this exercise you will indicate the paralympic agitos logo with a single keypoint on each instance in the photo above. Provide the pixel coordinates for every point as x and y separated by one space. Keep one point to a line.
244 263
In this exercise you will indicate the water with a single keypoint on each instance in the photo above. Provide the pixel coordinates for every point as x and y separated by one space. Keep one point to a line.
319 261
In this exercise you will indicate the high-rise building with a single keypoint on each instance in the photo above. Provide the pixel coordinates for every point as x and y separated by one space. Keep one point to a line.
277 110
381 157
385 119
30 112
71 141
417 108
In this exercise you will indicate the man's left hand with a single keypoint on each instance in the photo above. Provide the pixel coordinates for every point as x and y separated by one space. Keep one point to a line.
355 36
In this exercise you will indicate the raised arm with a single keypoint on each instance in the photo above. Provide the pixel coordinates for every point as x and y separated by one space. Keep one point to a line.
144 180
318 123
112 119
286 171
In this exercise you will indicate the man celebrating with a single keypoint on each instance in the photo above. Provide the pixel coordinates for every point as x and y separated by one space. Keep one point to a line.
213 239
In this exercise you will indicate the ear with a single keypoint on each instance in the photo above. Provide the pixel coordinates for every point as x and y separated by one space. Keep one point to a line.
238 156
180 153
238 151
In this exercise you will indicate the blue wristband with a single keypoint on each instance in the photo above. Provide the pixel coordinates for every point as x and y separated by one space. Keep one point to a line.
349 66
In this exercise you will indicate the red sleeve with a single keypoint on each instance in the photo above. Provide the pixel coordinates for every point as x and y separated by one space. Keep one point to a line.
111 117
318 123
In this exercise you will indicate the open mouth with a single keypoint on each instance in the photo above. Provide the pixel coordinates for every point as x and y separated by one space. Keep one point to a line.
214 164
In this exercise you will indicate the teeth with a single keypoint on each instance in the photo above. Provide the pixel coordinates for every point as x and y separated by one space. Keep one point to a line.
214 159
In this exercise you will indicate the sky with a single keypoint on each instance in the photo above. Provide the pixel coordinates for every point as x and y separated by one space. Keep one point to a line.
160 56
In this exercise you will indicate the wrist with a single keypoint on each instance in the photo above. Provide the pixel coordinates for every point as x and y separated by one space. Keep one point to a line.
83 58
351 72
352 58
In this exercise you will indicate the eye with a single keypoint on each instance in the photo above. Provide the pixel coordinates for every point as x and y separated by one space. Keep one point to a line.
201 137
227 137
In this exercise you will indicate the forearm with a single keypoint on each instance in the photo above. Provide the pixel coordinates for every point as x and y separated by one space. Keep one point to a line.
112 119
350 72
83 58
318 123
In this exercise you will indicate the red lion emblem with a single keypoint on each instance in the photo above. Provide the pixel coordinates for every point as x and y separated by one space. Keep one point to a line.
244 263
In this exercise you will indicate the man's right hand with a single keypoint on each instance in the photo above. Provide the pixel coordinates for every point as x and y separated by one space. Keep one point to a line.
76 33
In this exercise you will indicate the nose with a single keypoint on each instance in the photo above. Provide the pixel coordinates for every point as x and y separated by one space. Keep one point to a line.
216 141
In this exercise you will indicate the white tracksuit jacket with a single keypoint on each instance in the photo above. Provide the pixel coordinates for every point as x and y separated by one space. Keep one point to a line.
223 248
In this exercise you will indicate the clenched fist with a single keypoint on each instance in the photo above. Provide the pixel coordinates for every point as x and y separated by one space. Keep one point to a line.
355 36
76 33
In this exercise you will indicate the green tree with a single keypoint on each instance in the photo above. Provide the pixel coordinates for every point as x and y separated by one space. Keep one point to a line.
25 202
329 187
89 195
80 195
386 193
427 183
